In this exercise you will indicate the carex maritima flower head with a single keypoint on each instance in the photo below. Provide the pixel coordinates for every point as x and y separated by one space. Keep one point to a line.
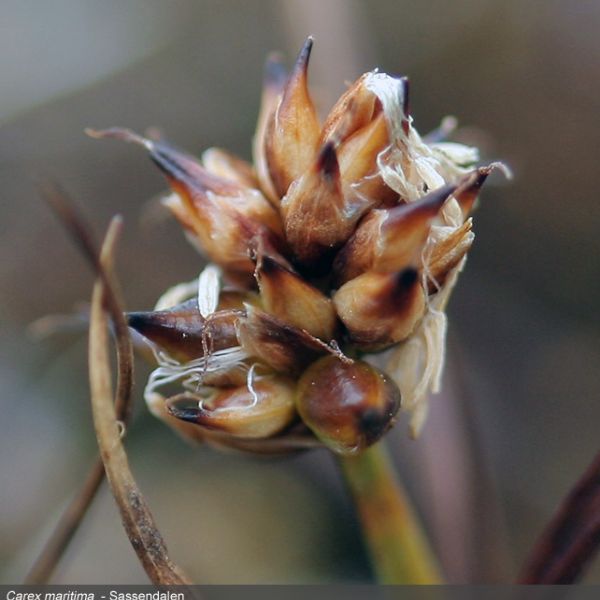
331 262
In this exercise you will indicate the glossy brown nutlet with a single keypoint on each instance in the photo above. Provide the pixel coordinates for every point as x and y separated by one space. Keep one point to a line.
348 406
293 129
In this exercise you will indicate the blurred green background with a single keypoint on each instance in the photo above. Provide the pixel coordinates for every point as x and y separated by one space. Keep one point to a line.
519 416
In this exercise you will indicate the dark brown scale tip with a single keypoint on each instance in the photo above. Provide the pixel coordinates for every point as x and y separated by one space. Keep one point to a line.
482 174
301 65
402 287
471 185
405 95
184 408
407 278
428 205
275 73
405 87
327 162
268 265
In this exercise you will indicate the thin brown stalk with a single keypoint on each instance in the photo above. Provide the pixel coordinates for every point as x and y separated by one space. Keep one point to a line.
51 553
83 237
137 518
569 542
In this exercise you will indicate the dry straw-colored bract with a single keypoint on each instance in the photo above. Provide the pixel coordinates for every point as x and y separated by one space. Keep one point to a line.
332 260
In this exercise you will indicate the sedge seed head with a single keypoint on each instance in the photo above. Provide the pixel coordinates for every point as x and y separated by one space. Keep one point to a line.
336 250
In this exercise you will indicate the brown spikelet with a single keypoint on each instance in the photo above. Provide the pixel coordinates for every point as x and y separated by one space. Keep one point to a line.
288 296
293 130
281 346
353 111
389 239
183 332
317 216
220 215
380 309
258 410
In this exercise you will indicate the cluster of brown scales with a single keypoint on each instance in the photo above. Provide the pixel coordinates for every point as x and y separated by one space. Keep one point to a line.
331 262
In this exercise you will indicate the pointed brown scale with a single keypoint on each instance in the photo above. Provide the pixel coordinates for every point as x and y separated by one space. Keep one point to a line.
317 217
347 406
259 409
447 253
287 296
389 239
381 309
274 80
227 166
468 191
192 432
405 104
358 163
354 110
182 331
293 130
220 216
281 346
288 442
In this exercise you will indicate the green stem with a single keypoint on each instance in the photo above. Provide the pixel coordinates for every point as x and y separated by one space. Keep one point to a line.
399 550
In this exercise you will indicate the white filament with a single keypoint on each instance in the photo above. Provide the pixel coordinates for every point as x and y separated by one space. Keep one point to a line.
413 168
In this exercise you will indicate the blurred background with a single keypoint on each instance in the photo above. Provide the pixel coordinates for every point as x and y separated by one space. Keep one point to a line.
519 416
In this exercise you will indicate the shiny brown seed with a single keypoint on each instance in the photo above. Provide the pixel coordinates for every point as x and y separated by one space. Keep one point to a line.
347 406
258 410
380 309
293 130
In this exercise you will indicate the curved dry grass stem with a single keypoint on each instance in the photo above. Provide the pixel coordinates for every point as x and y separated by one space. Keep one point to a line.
572 537
399 550
63 533
137 519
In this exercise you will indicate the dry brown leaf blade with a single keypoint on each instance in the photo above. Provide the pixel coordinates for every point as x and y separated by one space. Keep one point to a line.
572 537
